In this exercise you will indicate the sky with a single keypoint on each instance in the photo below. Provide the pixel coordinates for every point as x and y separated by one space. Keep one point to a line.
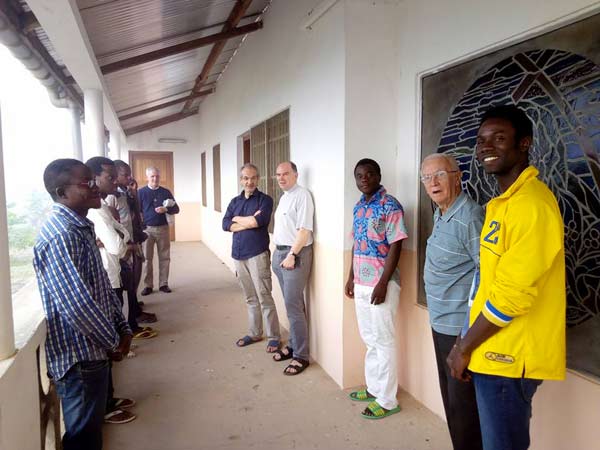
34 132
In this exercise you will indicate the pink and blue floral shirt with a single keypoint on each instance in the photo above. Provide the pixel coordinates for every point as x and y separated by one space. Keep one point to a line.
377 224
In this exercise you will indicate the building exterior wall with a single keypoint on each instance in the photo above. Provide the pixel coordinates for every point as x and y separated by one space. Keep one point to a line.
352 86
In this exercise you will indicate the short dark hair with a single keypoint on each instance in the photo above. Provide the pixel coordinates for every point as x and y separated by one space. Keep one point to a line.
368 162
57 174
120 164
97 162
515 115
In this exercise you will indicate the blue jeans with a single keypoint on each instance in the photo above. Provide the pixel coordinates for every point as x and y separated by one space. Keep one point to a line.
504 406
82 393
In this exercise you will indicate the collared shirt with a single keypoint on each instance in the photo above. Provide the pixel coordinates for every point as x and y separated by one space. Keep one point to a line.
450 260
151 199
522 284
252 242
83 314
120 202
295 211
377 224
114 238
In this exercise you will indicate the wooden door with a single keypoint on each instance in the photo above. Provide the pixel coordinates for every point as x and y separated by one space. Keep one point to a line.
163 161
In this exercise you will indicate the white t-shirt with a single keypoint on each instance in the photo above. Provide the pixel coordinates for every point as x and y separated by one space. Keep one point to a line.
295 210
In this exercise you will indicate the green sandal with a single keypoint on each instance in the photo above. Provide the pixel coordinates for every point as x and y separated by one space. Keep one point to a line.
361 396
377 412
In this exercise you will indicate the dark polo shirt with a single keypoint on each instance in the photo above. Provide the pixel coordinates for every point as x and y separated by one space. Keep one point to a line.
249 243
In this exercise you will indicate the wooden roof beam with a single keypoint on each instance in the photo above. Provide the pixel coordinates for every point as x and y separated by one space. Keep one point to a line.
179 48
159 122
166 104
236 14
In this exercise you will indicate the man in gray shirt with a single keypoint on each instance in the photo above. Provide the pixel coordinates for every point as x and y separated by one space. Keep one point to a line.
450 261
292 261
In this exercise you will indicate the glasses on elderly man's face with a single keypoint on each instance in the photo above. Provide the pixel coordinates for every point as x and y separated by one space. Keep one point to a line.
90 183
439 175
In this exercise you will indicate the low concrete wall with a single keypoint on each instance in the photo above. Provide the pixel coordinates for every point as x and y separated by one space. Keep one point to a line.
20 405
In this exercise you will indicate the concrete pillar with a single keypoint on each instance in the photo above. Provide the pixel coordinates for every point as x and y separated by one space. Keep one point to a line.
76 132
7 330
115 144
93 138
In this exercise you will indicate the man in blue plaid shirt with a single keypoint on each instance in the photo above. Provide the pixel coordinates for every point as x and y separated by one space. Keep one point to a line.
85 325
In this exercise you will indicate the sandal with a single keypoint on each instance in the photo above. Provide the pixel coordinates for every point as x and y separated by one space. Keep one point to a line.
374 411
296 369
361 396
145 333
119 416
247 340
123 403
273 343
279 355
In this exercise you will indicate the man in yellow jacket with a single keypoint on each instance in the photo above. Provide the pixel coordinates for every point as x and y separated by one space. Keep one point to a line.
516 334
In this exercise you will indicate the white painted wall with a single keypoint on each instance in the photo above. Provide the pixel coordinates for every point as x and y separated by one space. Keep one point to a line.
431 34
276 68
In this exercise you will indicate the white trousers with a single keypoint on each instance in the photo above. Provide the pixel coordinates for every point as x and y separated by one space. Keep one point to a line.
376 327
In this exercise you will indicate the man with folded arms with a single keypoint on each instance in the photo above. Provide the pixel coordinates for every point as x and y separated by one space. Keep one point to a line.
247 217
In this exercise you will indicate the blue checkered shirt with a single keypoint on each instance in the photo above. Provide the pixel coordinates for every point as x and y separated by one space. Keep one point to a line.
83 314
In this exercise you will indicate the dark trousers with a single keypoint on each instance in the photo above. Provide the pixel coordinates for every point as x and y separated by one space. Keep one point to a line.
82 393
134 309
459 399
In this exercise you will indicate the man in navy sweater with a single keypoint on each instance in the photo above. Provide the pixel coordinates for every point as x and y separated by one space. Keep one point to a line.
247 217
155 203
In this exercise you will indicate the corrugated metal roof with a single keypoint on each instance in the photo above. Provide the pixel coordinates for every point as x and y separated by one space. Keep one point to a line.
122 29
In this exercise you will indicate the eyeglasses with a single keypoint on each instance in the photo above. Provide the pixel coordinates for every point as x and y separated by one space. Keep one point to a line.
440 175
90 183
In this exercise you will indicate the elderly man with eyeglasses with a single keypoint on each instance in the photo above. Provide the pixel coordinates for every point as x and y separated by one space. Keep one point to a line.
450 260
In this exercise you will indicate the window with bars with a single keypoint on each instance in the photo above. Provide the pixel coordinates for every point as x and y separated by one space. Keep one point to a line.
203 168
269 147
217 176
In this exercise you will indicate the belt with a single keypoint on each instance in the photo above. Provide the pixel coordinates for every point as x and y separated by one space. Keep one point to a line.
283 247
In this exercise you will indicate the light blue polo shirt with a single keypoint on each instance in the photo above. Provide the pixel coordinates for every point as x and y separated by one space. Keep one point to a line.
450 260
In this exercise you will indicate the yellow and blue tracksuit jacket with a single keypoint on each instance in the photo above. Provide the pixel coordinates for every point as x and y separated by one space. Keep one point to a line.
522 284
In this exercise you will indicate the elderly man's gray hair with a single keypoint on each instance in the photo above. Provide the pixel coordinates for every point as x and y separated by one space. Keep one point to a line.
448 158
249 166
149 170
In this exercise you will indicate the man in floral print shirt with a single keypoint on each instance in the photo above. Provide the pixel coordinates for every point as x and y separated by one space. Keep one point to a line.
378 231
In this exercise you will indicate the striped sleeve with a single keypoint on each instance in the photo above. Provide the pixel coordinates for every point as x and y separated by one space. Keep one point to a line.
495 316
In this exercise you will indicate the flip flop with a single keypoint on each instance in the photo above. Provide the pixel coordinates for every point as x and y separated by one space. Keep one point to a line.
119 416
247 340
273 343
378 412
297 369
361 396
123 403
145 333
